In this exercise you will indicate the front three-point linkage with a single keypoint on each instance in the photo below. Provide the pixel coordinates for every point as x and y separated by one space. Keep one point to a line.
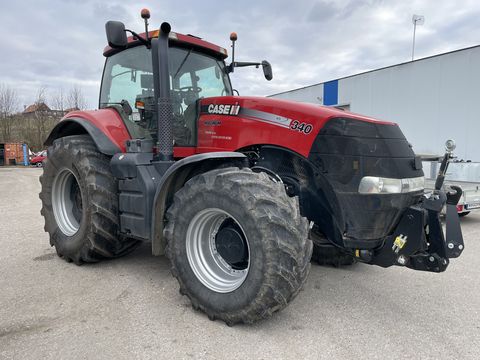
419 242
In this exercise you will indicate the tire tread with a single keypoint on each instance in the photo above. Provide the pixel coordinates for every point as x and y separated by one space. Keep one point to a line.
101 240
273 209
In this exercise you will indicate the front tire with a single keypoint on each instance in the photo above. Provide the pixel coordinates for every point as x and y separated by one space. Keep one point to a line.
238 245
80 202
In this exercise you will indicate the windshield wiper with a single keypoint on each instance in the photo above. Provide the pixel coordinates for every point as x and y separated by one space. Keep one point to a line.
183 62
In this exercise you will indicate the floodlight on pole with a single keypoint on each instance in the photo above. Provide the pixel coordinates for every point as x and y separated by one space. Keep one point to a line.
416 20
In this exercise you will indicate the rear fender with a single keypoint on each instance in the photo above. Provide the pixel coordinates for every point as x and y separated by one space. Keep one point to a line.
104 126
176 176
78 126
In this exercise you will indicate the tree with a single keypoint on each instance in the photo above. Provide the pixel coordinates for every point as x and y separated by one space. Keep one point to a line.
43 121
8 106
35 125
59 100
76 99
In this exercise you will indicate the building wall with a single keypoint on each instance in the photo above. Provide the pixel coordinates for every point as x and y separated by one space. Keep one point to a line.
432 100
311 94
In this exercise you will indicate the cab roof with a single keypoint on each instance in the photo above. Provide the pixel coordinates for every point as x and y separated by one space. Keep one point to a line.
180 39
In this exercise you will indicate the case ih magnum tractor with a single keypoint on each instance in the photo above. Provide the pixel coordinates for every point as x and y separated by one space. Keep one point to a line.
236 191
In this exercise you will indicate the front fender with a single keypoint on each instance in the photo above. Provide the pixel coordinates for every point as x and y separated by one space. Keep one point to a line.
174 179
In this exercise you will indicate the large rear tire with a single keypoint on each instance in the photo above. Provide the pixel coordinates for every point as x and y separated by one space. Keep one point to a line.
80 202
238 245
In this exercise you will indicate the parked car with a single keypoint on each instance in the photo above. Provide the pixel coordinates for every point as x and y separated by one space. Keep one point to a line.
38 159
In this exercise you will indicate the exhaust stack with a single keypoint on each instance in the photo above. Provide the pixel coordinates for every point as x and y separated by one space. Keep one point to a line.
162 94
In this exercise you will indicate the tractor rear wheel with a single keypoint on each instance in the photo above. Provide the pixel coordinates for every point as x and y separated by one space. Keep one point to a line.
238 245
80 202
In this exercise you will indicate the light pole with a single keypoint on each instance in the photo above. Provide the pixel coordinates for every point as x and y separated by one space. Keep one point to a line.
416 20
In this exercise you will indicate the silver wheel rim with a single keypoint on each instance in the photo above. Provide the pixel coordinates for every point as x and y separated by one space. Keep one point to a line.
63 203
209 266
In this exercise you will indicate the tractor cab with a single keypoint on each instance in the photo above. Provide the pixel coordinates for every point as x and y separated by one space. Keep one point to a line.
156 80
194 73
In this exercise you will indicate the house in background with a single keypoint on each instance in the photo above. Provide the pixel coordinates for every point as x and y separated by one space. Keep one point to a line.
42 109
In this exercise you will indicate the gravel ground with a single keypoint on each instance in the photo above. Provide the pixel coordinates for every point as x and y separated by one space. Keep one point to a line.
130 308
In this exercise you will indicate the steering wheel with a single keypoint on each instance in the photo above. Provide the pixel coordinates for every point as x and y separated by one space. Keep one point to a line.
195 89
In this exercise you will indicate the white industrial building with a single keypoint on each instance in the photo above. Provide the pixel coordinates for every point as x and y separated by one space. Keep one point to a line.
432 99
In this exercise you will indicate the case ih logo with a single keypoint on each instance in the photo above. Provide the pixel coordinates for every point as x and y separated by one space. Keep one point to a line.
223 109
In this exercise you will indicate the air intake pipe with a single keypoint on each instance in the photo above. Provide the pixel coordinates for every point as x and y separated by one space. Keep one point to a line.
161 87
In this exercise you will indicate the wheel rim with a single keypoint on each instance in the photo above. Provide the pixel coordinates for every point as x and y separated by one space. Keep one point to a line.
67 202
218 273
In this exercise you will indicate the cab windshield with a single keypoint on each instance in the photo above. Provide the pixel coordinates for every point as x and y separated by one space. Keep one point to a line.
128 78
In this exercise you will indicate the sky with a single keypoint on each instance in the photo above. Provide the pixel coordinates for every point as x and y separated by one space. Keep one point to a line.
56 44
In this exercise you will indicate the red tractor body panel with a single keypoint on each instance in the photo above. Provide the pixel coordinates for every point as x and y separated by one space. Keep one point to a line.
108 121
230 123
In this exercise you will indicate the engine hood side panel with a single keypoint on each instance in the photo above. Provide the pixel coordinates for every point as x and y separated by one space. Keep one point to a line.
234 122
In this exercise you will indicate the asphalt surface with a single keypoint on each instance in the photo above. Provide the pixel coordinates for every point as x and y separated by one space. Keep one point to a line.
130 308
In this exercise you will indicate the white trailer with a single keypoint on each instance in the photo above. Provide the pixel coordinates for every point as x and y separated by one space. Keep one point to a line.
465 175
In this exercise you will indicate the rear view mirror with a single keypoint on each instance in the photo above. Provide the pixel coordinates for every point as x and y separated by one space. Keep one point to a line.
267 70
116 36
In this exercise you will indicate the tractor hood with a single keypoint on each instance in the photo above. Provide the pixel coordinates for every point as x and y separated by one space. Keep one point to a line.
286 108
260 120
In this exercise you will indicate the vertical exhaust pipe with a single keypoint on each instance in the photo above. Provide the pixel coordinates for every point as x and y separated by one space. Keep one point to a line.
161 87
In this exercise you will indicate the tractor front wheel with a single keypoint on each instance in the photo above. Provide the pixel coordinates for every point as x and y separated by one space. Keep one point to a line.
237 244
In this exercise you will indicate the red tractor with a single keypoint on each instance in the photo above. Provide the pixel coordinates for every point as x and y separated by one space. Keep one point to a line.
236 191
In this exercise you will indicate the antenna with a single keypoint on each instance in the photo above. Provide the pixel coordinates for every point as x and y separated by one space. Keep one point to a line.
233 38
145 14
416 20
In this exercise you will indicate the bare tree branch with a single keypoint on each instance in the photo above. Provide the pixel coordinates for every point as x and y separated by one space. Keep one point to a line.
8 100
59 100
76 99
41 97
8 106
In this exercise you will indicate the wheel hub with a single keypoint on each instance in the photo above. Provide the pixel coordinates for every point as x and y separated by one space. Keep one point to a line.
232 247
67 202
217 250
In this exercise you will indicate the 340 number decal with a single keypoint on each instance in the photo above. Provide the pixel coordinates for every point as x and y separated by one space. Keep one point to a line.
302 127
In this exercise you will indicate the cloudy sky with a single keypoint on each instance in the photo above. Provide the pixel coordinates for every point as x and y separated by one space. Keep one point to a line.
58 43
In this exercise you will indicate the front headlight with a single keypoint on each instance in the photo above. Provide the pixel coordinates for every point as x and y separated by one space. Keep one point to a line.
379 185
